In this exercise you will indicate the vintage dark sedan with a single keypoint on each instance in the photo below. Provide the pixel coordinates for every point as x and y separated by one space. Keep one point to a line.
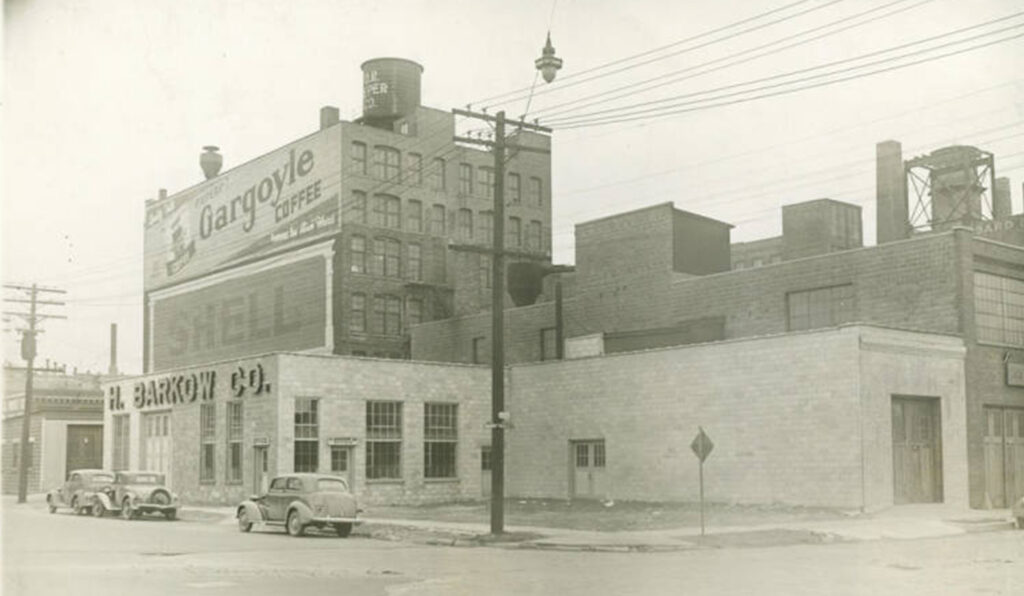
135 493
299 501
79 490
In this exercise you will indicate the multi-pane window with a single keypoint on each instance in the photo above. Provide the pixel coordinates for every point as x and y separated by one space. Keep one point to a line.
414 168
357 254
387 211
383 440
339 459
820 307
486 227
386 163
121 438
414 216
307 434
999 308
465 179
387 313
386 257
486 270
464 222
440 439
533 236
414 311
598 448
438 225
515 193
358 152
357 210
438 174
414 264
548 344
485 181
514 234
357 313
207 442
234 442
535 191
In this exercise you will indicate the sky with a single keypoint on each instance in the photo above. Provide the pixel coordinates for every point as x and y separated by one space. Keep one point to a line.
106 102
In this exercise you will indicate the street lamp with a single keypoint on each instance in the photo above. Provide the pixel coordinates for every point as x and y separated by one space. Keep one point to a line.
548 64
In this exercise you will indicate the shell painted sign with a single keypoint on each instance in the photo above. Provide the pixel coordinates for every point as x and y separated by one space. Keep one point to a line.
288 196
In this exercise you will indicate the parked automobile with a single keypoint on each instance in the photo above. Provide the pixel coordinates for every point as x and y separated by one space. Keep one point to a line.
135 493
79 490
298 501
1018 513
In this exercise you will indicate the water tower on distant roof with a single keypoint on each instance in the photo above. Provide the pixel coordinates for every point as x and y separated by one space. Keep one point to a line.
950 186
391 90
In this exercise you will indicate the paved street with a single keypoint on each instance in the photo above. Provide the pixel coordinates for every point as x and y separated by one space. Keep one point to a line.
63 554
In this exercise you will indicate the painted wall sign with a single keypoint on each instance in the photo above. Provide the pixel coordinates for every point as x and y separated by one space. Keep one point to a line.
1015 374
257 208
186 388
253 381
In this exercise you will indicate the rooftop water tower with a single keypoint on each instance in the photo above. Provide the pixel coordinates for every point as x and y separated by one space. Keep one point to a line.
391 90
950 186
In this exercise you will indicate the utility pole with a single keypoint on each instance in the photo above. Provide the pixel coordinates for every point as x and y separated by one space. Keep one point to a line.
28 352
499 417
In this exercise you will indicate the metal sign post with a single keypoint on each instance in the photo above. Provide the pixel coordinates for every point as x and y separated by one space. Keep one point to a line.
702 447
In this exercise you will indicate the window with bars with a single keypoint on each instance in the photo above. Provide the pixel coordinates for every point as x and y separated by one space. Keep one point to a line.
386 163
440 440
383 440
464 222
533 236
234 442
820 307
307 434
438 224
121 442
357 254
999 309
387 212
358 154
414 216
485 181
207 442
514 234
387 257
414 311
414 264
387 311
535 191
414 168
357 210
438 175
486 227
357 313
465 179
514 192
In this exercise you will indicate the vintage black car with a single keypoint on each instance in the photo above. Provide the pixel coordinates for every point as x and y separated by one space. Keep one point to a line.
298 501
79 490
135 493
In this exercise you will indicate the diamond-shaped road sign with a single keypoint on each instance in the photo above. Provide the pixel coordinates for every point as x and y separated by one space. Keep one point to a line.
702 445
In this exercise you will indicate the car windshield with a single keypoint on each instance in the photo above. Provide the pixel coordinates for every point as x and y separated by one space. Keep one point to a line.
331 485
142 478
97 478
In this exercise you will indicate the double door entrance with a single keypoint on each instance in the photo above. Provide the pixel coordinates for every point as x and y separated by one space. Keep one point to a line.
156 444
1004 455
916 450
587 463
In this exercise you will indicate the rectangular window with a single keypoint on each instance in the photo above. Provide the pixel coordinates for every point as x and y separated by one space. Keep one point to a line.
234 442
339 459
414 265
533 236
383 440
207 442
387 314
438 175
387 212
357 318
359 158
386 257
535 192
485 181
414 168
820 307
486 227
357 211
515 193
440 439
386 164
414 311
121 442
514 236
465 179
414 216
486 271
307 434
548 344
465 224
438 225
999 308
357 254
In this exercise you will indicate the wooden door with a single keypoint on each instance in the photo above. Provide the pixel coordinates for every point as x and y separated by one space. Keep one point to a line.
1014 438
84 447
588 469
156 444
916 450
1004 455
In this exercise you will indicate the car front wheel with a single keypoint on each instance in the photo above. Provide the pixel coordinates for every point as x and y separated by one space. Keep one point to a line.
127 513
50 505
171 514
74 506
244 524
294 525
343 530
98 510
